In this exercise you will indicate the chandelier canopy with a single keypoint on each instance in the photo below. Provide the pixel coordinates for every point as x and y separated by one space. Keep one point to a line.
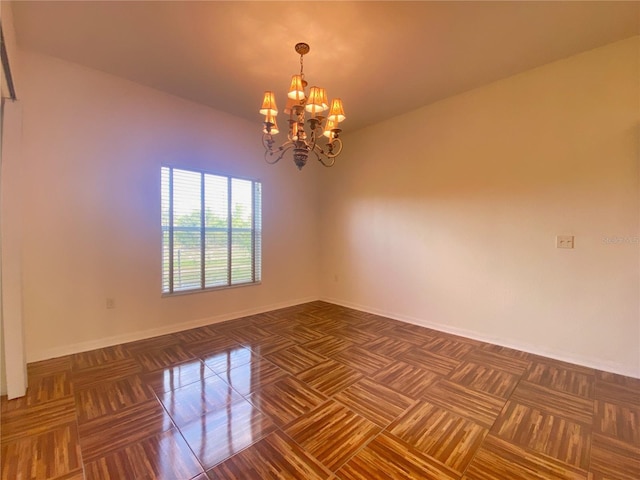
303 141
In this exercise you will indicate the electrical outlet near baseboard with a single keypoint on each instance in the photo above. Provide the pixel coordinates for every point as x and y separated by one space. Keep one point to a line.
564 241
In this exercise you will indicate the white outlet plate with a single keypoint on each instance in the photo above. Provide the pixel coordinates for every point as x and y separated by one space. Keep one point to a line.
564 241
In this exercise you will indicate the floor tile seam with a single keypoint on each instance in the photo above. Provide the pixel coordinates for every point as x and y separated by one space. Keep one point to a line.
244 397
564 366
144 439
80 371
479 390
253 349
532 452
216 406
484 438
589 451
334 472
475 349
396 390
115 450
61 359
25 435
382 429
504 406
591 427
408 446
562 391
429 348
40 376
463 417
198 461
294 441
618 401
446 406
558 392
332 396
177 365
481 362
37 375
81 453
364 373
597 417
119 409
413 404
599 380
363 416
23 409
104 383
417 364
495 434
555 412
635 446
73 368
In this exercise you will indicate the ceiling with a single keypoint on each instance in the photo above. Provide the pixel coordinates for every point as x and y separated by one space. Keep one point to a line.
381 58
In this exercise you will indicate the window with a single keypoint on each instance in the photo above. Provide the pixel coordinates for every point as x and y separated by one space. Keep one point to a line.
211 230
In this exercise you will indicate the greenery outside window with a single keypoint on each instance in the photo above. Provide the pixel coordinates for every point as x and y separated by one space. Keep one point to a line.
211 231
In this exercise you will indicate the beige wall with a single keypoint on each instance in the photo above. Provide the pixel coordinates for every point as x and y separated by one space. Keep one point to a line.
451 223
447 216
93 147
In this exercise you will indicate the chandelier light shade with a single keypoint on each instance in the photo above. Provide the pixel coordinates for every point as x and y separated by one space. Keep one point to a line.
319 134
336 114
296 90
269 104
314 102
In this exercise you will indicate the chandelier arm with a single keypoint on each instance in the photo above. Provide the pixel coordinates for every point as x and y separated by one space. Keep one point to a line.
322 157
318 148
336 148
327 164
284 148
268 142
317 151
313 141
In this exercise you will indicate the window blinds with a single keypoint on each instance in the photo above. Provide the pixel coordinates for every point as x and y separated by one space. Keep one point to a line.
211 230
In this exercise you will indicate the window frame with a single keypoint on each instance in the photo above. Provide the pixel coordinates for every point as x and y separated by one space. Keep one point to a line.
255 230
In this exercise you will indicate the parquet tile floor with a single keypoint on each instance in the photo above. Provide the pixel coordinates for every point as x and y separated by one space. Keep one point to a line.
319 391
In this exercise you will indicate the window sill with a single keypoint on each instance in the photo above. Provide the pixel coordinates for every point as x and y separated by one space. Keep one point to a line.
209 289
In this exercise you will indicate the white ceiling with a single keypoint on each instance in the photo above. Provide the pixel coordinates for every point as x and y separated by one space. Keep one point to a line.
381 58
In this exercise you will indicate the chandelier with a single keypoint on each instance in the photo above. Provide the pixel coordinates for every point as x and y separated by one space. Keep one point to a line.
303 141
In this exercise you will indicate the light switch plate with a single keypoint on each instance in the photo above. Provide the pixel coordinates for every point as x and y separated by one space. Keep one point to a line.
564 241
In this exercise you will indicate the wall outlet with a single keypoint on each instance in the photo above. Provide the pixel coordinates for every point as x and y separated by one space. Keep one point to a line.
111 303
564 241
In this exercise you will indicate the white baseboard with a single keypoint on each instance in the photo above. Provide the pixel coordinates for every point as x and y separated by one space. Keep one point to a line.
589 362
154 332
612 367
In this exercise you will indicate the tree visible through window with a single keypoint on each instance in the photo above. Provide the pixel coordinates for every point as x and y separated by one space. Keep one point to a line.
211 230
